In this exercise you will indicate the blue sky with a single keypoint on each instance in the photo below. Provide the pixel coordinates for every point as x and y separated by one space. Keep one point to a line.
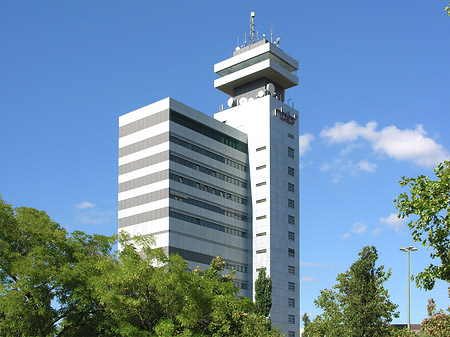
373 102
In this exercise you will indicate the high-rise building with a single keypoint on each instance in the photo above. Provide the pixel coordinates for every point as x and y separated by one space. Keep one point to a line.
227 185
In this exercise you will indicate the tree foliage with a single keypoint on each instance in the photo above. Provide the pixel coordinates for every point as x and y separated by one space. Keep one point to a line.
448 9
40 264
428 202
358 305
306 321
56 284
263 293
438 323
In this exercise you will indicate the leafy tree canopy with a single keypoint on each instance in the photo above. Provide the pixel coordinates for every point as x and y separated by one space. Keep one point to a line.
57 284
427 205
263 293
358 305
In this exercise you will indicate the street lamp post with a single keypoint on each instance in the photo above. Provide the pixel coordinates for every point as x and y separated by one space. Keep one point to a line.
408 249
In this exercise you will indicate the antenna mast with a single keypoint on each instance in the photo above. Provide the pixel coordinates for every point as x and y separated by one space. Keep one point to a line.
252 27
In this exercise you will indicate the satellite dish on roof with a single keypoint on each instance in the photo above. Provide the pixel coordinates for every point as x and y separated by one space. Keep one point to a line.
260 93
243 100
270 88
231 102
250 99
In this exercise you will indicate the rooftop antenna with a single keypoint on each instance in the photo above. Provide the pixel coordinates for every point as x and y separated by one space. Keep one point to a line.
252 27
271 34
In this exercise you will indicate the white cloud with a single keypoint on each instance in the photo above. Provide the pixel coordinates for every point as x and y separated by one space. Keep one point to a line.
95 217
357 228
348 132
315 264
364 165
309 279
305 143
346 235
84 205
377 231
405 144
394 222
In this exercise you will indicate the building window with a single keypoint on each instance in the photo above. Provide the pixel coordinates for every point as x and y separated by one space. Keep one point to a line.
208 189
206 223
291 252
260 184
208 131
261 167
291 270
290 135
291 236
291 171
261 234
207 153
290 152
208 171
260 148
261 251
291 319
291 187
291 286
291 220
260 217
260 201
291 302
291 203
291 334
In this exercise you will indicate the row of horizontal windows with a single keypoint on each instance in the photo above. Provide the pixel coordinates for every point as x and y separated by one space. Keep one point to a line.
291 152
291 171
291 203
208 131
260 217
291 187
291 236
210 207
261 234
208 171
261 167
240 285
261 251
237 267
208 153
261 184
291 270
206 223
291 334
260 200
291 302
291 220
208 189
291 286
260 148
291 252
291 319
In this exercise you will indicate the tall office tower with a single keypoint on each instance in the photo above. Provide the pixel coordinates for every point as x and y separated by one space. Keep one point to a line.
226 185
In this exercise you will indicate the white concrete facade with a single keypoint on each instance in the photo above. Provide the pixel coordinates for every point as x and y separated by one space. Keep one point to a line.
227 185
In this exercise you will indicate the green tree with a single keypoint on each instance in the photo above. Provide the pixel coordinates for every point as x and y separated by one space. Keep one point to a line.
56 284
358 305
40 265
263 294
306 321
438 323
428 203
448 9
